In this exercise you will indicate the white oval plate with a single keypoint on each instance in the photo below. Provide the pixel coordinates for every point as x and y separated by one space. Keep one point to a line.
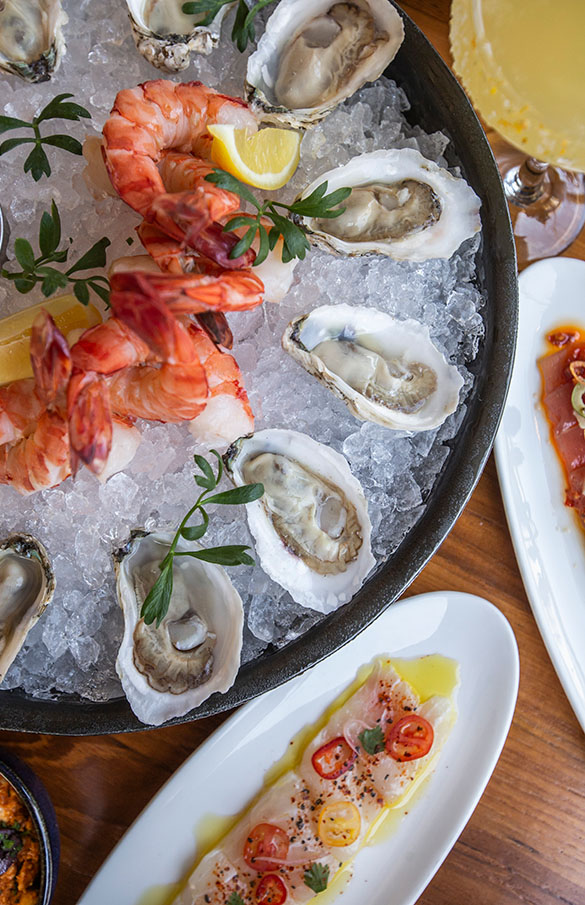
227 770
549 545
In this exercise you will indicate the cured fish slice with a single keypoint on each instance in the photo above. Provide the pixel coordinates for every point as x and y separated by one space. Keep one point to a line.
567 434
373 781
292 818
288 805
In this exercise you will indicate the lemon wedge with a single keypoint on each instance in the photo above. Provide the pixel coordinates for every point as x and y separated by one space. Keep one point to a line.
265 159
15 331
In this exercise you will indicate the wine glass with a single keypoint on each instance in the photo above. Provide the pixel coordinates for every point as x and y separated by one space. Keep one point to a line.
523 64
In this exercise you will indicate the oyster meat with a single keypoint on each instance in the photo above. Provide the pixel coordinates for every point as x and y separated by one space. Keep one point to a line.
31 38
170 669
402 205
27 585
311 527
385 370
314 54
166 36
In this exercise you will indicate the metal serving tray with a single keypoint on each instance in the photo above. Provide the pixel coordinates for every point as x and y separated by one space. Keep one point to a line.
438 103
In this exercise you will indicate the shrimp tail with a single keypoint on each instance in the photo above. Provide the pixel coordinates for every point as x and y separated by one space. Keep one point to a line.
217 328
137 303
50 357
90 421
190 217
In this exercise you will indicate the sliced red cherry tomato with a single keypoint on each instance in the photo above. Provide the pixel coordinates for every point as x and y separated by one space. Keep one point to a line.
334 759
271 890
410 738
266 847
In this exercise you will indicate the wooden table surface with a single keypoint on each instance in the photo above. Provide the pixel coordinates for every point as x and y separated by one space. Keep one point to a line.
525 843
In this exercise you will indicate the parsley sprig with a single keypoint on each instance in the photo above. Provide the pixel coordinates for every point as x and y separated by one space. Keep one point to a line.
295 242
372 740
235 899
158 598
317 877
39 270
243 30
37 162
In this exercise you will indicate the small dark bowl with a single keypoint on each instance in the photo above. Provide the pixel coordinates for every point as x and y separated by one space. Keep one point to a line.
35 797
438 103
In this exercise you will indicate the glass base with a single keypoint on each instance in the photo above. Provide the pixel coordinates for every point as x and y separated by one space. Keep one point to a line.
547 204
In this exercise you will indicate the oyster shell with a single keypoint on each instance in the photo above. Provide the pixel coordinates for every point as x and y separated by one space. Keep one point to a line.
311 527
31 38
166 37
169 670
385 370
314 54
27 585
403 206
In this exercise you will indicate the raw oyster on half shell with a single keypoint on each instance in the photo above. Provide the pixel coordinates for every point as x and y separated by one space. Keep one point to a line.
385 370
27 585
31 38
402 205
166 36
311 527
168 670
314 54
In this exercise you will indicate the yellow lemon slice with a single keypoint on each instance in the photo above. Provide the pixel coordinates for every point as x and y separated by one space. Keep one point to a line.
15 330
265 159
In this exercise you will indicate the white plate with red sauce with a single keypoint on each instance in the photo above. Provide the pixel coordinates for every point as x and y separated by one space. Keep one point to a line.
227 771
547 537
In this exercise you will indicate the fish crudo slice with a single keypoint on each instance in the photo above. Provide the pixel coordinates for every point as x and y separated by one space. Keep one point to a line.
368 758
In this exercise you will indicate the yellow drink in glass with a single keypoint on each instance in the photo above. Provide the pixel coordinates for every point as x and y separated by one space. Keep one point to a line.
523 64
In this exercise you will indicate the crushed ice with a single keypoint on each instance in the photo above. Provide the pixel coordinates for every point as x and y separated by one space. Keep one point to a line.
73 647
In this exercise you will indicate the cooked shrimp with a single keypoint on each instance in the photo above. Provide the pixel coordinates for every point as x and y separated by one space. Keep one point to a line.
50 357
137 301
108 347
90 421
40 460
20 408
183 172
168 257
172 257
227 414
160 116
30 434
192 293
159 392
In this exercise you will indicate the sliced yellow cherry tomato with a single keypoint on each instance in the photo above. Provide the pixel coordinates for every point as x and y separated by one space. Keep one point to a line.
339 823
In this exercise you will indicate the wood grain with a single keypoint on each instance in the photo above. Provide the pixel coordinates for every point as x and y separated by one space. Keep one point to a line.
525 843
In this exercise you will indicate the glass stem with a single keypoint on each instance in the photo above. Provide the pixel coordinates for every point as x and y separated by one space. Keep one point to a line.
524 184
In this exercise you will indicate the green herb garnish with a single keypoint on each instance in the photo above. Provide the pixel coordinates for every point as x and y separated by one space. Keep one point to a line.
372 740
243 30
9 845
317 877
158 598
37 162
295 242
235 899
38 270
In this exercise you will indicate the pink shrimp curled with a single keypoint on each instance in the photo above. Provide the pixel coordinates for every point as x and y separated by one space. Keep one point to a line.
160 116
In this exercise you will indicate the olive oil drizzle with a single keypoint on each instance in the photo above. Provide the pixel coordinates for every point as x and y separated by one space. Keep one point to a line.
428 676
